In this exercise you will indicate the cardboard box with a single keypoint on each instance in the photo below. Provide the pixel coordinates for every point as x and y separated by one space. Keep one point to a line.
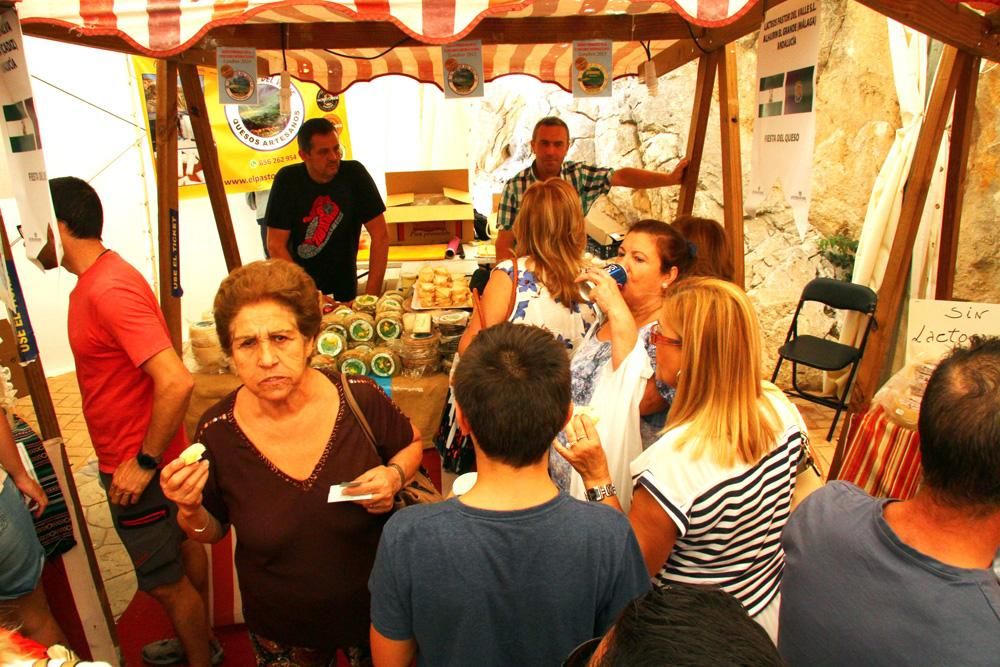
424 207
604 234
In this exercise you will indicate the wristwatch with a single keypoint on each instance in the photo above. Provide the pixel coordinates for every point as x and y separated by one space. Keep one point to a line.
599 493
147 461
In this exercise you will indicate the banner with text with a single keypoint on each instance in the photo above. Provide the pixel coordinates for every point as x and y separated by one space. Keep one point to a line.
253 141
591 73
463 69
22 142
934 327
785 126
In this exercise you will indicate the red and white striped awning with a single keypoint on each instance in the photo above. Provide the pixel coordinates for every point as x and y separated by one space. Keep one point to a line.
165 28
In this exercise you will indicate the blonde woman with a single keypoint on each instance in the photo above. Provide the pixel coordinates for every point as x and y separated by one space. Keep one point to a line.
541 290
551 238
713 493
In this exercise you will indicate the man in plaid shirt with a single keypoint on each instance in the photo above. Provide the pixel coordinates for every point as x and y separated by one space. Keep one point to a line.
549 144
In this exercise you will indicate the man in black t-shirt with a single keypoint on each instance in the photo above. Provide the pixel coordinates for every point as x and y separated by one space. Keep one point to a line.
316 210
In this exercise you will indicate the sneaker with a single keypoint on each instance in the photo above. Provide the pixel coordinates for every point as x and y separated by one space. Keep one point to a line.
170 652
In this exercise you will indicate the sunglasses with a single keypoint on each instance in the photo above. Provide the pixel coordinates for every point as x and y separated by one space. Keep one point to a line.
657 337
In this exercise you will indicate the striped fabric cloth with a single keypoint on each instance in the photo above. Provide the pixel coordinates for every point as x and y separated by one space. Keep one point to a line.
729 520
54 528
881 457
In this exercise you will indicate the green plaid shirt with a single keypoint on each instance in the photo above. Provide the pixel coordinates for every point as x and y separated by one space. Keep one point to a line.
590 183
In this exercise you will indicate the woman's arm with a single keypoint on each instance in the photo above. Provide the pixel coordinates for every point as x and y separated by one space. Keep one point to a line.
495 303
183 485
385 481
653 529
10 460
608 296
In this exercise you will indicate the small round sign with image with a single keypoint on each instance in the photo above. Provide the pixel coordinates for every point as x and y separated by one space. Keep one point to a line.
463 80
594 79
240 86
327 101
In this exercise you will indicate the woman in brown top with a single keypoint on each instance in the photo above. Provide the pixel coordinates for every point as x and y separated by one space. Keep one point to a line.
275 447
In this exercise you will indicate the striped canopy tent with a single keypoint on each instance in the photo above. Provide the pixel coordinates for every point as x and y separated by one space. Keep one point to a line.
338 43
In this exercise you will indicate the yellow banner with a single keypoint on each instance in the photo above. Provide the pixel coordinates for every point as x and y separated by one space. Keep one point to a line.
253 142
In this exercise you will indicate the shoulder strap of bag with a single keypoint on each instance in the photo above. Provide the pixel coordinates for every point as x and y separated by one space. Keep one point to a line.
352 405
510 304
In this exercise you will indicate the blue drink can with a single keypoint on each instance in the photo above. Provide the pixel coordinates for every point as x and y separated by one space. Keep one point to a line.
616 271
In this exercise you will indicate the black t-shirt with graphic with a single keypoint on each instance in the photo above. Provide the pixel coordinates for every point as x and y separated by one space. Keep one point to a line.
325 222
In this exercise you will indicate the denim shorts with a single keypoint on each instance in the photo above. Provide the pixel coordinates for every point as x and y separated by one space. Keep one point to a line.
21 556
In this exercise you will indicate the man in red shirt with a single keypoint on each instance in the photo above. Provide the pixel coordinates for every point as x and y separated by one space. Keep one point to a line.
135 391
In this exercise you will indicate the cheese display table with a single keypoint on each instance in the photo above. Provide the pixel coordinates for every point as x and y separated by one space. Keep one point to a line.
420 399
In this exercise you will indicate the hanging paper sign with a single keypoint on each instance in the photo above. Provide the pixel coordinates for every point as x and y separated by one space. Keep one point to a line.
463 69
934 327
237 68
22 142
253 142
785 127
591 73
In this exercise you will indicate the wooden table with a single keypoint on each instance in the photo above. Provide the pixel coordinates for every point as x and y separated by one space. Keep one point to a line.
420 399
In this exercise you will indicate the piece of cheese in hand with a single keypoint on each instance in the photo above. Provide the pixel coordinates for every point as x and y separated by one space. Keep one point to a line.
192 454
579 410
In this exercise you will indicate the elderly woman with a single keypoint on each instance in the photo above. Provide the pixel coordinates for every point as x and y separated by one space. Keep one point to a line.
277 447
713 493
612 369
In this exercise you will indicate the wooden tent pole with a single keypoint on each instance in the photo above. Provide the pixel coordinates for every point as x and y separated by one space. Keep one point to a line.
732 168
958 158
166 197
707 65
890 294
209 156
34 373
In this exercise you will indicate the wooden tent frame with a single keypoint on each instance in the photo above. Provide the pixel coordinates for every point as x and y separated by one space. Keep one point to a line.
968 36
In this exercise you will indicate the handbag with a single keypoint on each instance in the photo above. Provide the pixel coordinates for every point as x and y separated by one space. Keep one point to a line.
421 489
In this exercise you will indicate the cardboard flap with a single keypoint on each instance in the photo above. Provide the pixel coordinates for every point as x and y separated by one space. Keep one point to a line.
434 180
460 196
399 199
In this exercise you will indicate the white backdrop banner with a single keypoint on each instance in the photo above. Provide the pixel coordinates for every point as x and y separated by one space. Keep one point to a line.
785 127
22 143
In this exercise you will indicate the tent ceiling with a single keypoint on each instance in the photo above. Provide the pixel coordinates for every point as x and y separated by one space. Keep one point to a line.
339 43
336 44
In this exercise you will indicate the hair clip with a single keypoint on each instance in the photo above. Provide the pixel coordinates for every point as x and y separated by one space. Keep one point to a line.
692 249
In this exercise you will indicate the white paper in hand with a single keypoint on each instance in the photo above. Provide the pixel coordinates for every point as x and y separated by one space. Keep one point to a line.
337 495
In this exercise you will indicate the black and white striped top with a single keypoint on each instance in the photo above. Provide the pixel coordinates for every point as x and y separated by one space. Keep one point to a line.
729 520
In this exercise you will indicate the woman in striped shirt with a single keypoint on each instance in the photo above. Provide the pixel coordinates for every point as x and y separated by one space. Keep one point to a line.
713 493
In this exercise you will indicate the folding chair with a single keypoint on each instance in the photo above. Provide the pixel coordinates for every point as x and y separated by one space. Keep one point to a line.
822 353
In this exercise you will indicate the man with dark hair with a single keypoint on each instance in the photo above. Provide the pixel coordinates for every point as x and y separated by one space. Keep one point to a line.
513 572
550 142
695 626
135 390
880 582
316 210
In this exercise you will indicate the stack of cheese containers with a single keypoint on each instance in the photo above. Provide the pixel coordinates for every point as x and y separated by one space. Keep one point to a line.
205 345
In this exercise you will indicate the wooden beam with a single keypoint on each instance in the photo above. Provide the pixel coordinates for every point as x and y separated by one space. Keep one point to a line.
732 164
166 196
701 40
948 22
958 157
209 156
707 66
894 282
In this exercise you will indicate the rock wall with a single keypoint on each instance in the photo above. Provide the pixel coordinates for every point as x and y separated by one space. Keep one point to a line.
857 114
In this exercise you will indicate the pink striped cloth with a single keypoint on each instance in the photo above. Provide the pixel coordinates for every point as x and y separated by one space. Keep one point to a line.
882 458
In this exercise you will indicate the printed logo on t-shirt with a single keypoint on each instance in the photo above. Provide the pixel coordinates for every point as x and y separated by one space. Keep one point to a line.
324 217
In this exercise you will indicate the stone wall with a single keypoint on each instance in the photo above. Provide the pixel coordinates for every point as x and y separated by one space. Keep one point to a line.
857 115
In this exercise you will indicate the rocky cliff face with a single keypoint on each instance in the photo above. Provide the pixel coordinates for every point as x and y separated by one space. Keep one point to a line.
857 114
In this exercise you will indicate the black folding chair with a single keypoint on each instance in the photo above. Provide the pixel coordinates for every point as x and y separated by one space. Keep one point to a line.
822 353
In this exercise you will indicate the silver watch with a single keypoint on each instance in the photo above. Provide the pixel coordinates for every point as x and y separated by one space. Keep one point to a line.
599 493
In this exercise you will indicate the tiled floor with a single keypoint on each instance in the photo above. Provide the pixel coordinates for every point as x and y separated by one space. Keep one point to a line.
116 569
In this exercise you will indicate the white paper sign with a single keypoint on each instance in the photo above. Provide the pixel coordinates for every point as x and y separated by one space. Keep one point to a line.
785 127
237 68
463 69
336 495
934 327
591 72
22 142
